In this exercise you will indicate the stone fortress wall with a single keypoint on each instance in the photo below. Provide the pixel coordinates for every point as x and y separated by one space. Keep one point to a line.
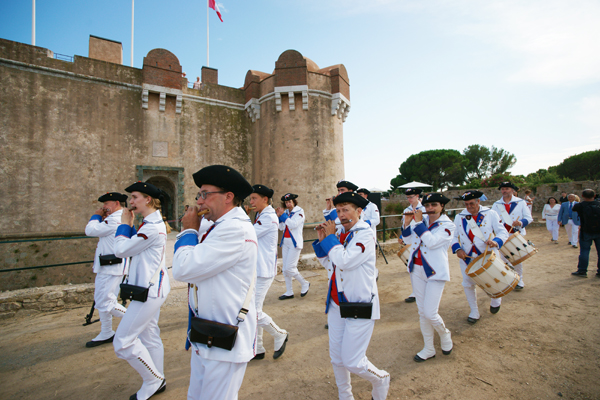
71 131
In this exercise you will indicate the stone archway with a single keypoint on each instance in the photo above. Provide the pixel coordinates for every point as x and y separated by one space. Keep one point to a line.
168 205
170 180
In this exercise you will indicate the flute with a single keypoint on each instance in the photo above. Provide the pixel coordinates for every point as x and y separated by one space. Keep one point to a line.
424 212
202 212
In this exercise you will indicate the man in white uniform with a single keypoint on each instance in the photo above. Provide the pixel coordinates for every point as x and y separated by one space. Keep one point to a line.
371 213
330 213
266 225
473 227
108 268
515 217
220 268
414 203
350 263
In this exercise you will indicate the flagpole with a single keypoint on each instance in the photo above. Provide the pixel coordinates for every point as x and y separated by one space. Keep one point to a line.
132 33
33 23
207 64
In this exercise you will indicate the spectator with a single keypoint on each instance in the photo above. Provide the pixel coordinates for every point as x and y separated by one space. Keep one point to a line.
570 220
563 197
589 213
197 83
550 214
529 200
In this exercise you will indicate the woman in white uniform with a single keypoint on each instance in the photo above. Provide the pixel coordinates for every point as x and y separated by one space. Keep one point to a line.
429 271
550 214
138 337
291 222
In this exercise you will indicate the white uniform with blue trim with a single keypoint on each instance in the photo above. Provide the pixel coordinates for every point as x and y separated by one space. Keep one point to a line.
291 248
355 272
430 246
518 211
371 216
108 277
489 223
220 269
138 337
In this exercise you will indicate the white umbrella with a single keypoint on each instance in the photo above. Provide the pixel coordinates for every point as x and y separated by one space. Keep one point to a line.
414 184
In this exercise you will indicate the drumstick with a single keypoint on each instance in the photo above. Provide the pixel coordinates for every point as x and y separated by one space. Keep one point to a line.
202 212
486 248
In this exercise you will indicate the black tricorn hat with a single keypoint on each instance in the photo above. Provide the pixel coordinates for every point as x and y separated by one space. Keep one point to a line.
363 190
224 177
348 185
146 188
289 196
351 197
112 196
435 198
410 191
262 190
507 184
470 195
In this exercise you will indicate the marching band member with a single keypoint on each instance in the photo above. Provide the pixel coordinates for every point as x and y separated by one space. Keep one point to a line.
474 225
138 337
329 213
352 278
108 268
220 268
515 217
266 225
371 212
291 222
414 203
431 235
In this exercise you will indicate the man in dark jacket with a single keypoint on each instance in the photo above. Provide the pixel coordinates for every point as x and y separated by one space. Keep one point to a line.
589 215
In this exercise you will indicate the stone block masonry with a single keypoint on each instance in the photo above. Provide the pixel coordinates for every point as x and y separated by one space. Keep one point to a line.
51 298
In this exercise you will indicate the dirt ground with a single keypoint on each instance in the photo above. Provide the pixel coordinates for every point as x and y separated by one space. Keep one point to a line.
544 343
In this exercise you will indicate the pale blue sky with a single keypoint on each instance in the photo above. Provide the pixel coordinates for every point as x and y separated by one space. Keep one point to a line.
424 74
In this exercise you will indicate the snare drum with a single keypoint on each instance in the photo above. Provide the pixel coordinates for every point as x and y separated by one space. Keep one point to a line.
517 249
404 253
492 275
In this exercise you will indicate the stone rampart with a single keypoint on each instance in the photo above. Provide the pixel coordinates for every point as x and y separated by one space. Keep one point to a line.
30 301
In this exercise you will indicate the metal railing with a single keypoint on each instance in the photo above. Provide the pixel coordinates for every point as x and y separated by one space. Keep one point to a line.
64 57
44 240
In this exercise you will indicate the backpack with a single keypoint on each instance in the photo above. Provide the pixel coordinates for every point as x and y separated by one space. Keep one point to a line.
591 217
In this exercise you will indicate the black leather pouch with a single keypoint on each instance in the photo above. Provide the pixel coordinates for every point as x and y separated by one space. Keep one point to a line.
132 292
356 310
213 333
110 259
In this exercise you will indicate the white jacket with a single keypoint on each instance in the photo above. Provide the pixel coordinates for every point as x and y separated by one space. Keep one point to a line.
354 265
222 268
433 241
371 216
105 231
489 223
550 213
518 211
266 225
146 247
295 223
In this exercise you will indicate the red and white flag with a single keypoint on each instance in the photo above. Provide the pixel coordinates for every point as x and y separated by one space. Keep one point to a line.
213 4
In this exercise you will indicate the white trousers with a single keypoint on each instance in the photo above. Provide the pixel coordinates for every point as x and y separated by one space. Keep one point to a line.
552 226
106 290
138 341
428 294
348 342
572 232
262 287
470 288
215 380
290 256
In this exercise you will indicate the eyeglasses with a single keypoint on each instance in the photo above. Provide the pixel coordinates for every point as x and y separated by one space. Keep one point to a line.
204 195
